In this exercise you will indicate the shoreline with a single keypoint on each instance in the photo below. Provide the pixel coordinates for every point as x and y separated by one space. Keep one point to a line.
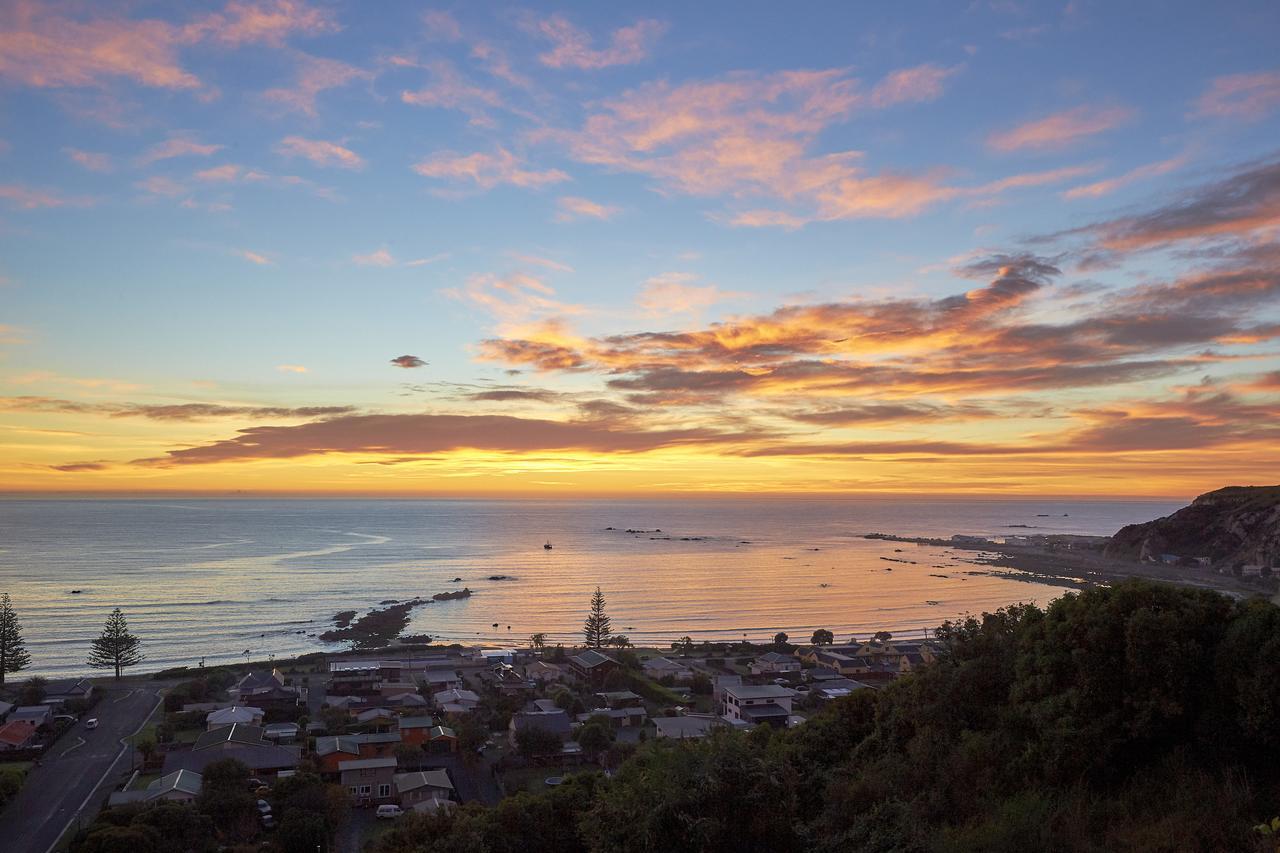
1084 565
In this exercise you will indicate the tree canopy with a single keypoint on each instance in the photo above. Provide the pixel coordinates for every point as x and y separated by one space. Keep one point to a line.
116 648
597 629
13 649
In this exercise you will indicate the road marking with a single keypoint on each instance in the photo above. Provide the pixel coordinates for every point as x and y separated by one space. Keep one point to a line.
80 743
124 746
125 696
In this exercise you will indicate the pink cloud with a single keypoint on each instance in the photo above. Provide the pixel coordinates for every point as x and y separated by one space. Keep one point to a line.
572 47
1245 96
177 145
486 171
441 26
259 259
678 293
269 22
575 207
449 89
1060 130
911 85
320 152
1110 185
31 198
314 75
377 258
92 160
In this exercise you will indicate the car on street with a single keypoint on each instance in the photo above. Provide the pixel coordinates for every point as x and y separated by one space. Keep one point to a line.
91 723
388 812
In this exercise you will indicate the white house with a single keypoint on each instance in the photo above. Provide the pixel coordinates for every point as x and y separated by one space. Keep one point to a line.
749 704
661 667
456 701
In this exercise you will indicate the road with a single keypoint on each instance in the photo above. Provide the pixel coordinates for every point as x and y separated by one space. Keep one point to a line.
68 778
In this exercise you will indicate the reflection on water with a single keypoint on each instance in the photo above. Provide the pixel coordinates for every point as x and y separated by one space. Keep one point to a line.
214 578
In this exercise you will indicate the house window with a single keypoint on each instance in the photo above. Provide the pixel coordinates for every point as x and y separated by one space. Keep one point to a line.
354 791
364 790
384 790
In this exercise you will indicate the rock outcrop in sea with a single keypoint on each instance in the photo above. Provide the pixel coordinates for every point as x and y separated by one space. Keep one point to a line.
1231 528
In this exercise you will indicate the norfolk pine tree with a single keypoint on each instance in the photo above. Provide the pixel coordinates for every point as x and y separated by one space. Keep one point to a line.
13 650
116 648
597 628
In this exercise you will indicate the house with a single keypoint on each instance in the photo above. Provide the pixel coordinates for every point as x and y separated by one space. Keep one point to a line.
414 729
542 672
59 693
377 719
263 760
351 704
622 707
370 780
33 715
440 679
658 668
255 683
408 701
556 722
456 701
442 739
542 705
421 787
718 685
230 716
750 704
17 735
180 786
688 726
592 666
280 732
330 751
230 737
836 688
774 663
5 708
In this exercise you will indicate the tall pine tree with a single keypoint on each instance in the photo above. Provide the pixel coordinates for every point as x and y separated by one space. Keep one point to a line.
13 649
597 628
116 648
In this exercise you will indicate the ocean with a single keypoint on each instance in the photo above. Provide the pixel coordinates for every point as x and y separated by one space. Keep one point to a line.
219 579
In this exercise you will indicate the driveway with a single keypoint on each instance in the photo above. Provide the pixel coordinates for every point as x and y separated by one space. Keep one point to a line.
67 781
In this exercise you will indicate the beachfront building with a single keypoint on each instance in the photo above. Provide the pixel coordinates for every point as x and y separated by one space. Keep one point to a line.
660 667
622 707
774 663
60 692
541 672
718 685
752 704
233 715
263 690
592 666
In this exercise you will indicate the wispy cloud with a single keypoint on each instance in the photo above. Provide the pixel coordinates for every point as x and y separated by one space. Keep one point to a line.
1060 130
572 207
320 152
177 145
572 47
486 171
449 89
314 75
94 161
672 293
291 368
377 258
33 198
1141 173
253 257
1244 96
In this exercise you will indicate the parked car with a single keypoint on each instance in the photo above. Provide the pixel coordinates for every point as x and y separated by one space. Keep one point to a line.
264 808
255 784
268 822
91 723
388 812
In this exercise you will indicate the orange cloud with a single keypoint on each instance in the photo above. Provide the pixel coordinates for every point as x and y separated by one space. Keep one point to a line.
516 298
575 207
572 47
377 258
911 85
1060 130
486 171
177 145
320 152
1244 96
267 22
262 261
449 89
677 293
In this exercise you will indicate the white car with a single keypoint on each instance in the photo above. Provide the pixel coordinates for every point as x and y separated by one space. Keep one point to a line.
264 808
388 812
91 723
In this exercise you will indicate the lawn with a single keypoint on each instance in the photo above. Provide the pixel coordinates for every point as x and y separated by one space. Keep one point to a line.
142 780
530 778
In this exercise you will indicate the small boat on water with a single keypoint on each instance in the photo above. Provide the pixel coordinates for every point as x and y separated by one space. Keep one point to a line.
548 546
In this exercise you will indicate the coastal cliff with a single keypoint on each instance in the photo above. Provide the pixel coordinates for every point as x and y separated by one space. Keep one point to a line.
1233 528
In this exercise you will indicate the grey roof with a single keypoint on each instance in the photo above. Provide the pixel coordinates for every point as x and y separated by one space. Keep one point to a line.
405 782
68 686
234 733
234 714
374 713
766 711
663 663
416 722
685 727
758 691
379 737
441 731
366 764
280 730
591 658
30 712
776 657
556 722
258 681
340 743
619 695
254 757
186 781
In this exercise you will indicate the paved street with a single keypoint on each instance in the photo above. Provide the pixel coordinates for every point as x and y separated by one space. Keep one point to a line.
67 780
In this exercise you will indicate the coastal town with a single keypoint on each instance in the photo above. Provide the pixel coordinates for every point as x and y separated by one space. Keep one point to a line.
244 749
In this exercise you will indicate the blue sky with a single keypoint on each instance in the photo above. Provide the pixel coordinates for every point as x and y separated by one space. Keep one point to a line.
260 203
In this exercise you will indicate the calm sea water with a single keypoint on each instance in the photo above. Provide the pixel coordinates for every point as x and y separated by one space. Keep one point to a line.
217 578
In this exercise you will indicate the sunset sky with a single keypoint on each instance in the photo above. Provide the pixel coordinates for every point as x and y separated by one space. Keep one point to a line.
604 248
